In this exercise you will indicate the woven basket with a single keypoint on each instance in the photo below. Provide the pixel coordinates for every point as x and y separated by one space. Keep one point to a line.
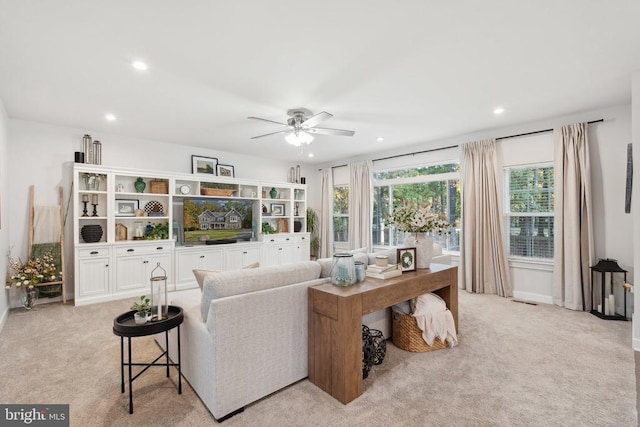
224 192
408 336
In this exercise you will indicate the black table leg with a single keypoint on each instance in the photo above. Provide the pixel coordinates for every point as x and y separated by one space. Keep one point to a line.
166 341
130 380
179 365
121 364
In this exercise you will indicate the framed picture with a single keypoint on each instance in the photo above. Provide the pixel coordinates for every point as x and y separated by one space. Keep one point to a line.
126 207
203 165
277 209
407 259
225 170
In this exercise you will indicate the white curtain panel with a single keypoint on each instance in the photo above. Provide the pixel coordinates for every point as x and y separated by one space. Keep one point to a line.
360 205
325 232
573 229
483 258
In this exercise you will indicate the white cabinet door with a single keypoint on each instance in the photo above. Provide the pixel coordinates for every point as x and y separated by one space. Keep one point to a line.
186 262
93 277
213 259
239 257
130 273
279 252
303 249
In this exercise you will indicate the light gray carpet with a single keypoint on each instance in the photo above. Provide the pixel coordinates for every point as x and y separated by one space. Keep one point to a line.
516 365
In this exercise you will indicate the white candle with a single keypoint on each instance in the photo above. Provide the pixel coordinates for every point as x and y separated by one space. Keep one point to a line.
606 307
612 305
159 305
599 308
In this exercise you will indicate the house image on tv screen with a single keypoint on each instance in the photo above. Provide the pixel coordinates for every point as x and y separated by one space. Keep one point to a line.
230 220
208 220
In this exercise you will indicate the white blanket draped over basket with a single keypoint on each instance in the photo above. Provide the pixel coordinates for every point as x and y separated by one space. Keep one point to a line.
434 320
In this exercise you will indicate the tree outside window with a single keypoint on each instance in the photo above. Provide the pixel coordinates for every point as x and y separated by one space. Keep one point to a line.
529 211
341 213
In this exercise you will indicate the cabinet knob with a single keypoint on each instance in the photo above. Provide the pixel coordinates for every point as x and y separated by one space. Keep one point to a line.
302 238
106 265
201 256
93 253
286 238
244 252
130 250
272 240
159 248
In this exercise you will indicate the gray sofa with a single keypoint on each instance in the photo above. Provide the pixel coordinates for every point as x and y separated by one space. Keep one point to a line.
244 336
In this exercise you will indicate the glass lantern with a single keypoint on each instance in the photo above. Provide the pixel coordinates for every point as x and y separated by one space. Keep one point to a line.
343 270
159 296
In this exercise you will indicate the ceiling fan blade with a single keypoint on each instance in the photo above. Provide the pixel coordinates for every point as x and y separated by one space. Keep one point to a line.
316 119
267 120
272 133
327 131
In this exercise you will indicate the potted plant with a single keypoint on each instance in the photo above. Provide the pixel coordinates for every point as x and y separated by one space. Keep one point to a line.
312 229
142 310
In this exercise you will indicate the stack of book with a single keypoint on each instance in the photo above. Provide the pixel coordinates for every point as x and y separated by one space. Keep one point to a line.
391 270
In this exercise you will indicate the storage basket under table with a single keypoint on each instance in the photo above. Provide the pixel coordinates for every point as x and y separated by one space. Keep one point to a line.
408 336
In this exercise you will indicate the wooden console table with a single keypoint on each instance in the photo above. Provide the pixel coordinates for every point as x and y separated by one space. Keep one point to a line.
335 322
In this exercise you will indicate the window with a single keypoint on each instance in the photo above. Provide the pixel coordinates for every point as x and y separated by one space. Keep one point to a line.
529 211
341 213
438 185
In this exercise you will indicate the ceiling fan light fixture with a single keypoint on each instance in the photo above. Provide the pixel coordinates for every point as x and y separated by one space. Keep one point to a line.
298 138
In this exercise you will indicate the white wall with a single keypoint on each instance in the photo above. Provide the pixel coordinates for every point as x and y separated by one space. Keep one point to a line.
42 155
4 210
635 201
607 141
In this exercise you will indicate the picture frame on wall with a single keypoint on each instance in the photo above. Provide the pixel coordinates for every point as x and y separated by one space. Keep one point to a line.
126 207
277 209
407 259
225 170
201 165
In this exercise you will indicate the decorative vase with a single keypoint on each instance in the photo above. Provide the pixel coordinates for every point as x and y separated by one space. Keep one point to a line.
140 185
424 248
140 319
273 193
30 297
91 233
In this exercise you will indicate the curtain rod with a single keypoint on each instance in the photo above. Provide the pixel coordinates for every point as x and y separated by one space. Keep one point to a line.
456 146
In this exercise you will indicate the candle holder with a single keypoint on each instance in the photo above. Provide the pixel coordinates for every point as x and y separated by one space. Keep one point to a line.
606 309
85 212
95 209
159 297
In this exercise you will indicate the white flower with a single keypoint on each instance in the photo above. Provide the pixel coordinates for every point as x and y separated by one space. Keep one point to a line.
8 287
26 282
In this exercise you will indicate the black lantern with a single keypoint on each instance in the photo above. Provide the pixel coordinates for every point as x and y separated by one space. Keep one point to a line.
606 309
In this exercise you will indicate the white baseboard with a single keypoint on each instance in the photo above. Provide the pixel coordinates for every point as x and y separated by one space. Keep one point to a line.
529 297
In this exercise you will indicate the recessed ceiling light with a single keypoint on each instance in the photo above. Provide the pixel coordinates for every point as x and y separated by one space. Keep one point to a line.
139 65
498 110
379 139
310 154
110 117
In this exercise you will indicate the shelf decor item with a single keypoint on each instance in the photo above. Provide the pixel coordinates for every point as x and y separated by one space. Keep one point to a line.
91 233
139 185
159 186
126 207
159 296
225 170
343 270
273 193
204 165
142 310
277 209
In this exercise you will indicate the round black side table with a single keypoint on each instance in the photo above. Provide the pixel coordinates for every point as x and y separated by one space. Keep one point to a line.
125 326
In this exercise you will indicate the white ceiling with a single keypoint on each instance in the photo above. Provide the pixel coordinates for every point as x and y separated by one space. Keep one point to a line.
410 71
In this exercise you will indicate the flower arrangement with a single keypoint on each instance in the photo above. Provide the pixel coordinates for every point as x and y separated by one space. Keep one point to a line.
418 218
34 271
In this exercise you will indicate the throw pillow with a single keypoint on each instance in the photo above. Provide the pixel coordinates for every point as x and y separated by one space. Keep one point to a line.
253 265
358 251
201 274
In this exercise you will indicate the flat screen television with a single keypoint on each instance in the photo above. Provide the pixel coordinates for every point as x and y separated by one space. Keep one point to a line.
214 221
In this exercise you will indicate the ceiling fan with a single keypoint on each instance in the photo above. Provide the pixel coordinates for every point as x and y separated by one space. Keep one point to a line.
301 124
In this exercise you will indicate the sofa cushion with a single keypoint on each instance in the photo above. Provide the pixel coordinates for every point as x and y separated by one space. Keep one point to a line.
235 282
201 274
